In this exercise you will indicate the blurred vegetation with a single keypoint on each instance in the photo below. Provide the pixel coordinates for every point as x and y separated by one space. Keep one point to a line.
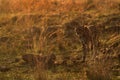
41 28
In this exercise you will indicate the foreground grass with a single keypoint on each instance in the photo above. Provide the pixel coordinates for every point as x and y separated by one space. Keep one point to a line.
13 25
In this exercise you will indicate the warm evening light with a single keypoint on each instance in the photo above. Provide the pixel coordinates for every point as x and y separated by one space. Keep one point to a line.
59 39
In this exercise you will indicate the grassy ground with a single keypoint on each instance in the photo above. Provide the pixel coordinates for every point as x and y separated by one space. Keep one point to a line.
16 22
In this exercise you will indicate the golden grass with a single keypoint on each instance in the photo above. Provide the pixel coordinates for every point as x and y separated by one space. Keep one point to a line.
15 6
23 8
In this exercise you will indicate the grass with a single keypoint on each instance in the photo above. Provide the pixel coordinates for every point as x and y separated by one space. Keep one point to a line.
17 20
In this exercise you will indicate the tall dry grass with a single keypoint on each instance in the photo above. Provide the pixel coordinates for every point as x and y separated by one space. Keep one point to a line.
55 5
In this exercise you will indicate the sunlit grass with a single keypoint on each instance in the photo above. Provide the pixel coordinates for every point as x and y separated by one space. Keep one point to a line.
19 16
